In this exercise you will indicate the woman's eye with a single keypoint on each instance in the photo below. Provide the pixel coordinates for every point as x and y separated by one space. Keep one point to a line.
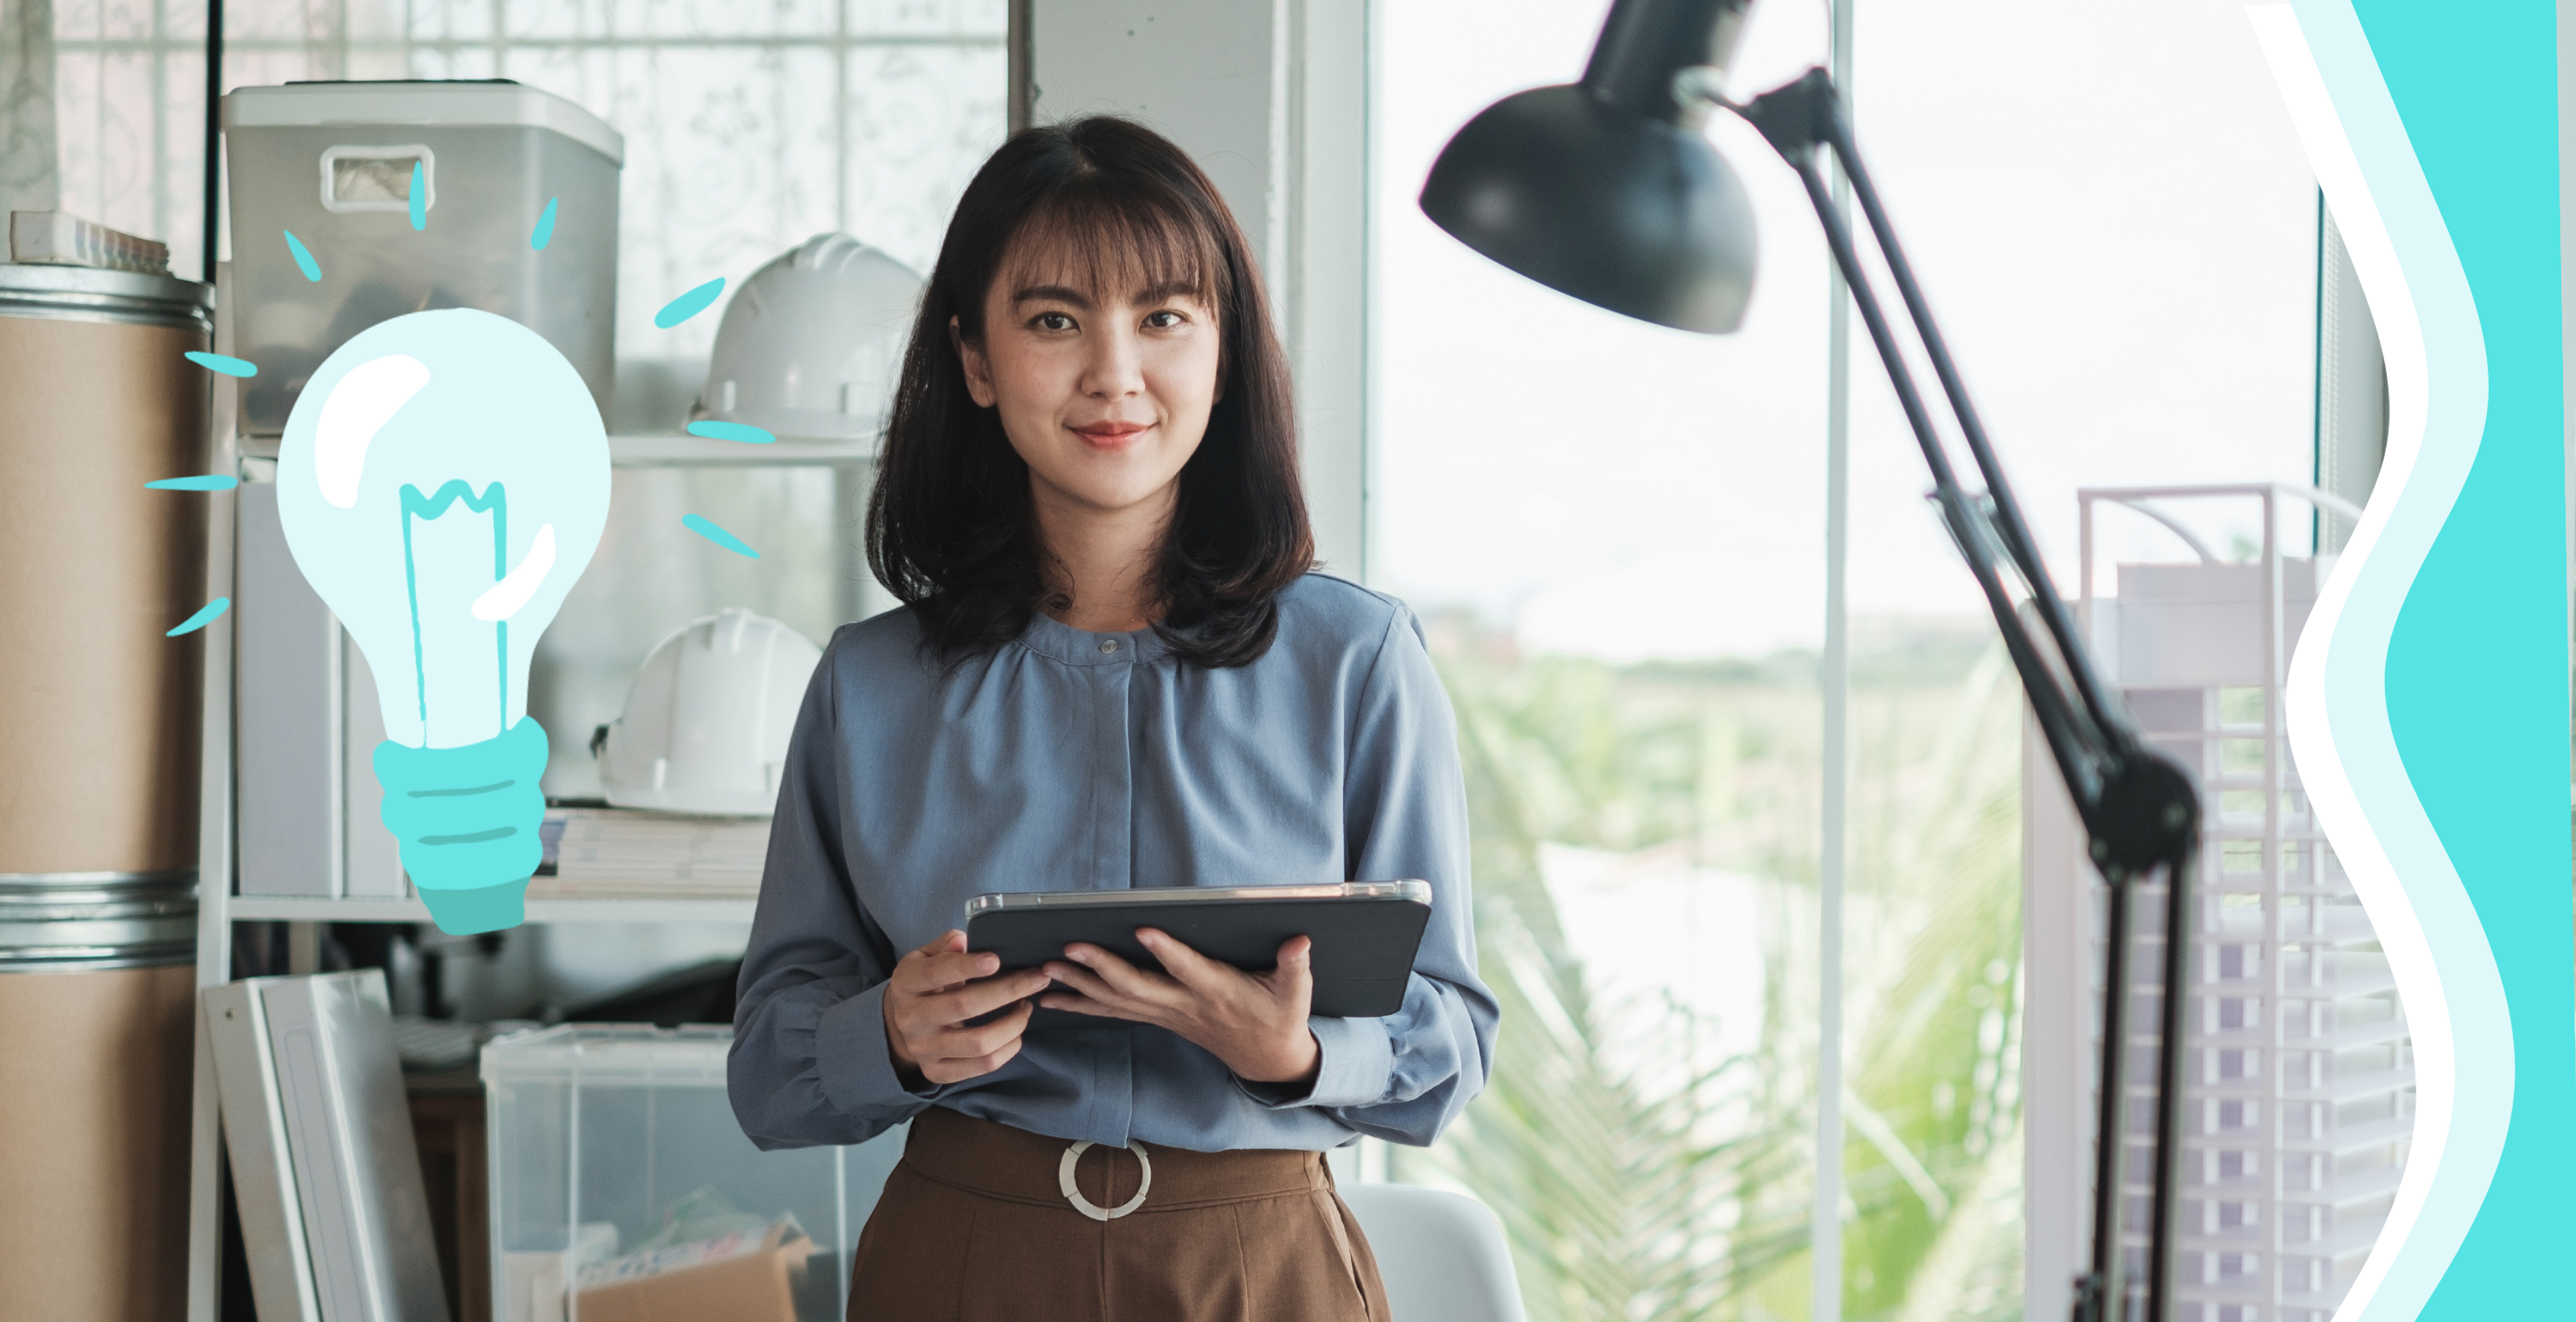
1165 319
1052 321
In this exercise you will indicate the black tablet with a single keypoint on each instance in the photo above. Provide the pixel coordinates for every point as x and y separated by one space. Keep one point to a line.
1365 932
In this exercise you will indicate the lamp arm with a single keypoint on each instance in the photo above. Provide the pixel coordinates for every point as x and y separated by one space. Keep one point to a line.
2140 812
2009 524
2077 726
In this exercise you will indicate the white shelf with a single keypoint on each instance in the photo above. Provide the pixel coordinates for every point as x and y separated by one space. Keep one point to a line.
677 450
301 909
681 451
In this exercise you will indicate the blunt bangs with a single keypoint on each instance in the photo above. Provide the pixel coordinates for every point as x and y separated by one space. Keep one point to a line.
1114 243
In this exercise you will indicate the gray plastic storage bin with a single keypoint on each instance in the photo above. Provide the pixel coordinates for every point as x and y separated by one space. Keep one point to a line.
600 1134
332 163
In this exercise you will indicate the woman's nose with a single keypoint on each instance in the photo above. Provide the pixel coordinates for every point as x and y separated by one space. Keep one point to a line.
1116 368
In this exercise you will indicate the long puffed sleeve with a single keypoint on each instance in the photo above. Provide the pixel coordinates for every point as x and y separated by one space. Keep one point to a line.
1403 1078
809 1063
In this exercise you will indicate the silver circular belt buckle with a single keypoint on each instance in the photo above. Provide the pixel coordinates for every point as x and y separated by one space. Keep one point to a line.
1064 1181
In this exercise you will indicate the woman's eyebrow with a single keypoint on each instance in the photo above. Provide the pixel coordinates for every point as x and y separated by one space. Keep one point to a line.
1169 289
1051 294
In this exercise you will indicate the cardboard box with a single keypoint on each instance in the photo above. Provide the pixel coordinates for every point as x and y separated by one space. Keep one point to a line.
715 1281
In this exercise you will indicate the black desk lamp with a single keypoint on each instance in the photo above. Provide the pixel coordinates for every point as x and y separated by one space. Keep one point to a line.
1606 190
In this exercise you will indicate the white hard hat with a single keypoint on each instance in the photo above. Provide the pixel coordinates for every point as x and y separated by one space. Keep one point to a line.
707 722
811 345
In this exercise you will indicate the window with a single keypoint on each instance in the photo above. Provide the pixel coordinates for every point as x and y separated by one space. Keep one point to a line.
749 125
1617 533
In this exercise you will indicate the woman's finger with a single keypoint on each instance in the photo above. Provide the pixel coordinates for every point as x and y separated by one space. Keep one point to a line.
1083 981
942 970
1186 966
1124 978
940 963
1295 974
968 1041
983 997
1074 1004
958 1071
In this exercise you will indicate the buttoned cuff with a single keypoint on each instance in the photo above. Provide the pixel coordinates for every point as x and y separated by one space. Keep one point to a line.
856 1064
1354 1065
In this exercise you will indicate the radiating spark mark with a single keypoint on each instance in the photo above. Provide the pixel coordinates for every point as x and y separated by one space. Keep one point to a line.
689 304
202 618
208 482
224 363
731 431
303 256
419 196
703 527
545 231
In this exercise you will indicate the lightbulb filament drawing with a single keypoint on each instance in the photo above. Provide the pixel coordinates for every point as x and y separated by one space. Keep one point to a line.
494 502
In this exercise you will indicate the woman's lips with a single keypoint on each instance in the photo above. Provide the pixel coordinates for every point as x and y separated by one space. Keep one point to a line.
1110 433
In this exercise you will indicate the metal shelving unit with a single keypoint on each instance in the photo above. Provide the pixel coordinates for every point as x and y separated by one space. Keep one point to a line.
219 908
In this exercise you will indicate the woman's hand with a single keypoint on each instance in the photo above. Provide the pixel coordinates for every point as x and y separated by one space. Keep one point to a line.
1254 1022
932 994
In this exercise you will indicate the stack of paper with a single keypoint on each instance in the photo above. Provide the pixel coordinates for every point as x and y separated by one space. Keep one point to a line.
57 238
630 853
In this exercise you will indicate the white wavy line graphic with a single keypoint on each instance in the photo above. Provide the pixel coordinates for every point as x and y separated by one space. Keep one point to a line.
2336 701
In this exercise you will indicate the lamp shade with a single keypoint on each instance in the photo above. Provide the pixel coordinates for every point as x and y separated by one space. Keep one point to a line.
1606 189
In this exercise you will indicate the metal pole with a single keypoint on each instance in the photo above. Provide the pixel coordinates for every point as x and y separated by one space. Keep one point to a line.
214 135
1825 1234
2102 1294
2166 1200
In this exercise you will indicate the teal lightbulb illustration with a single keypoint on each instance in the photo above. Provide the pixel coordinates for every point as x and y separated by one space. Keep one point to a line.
443 481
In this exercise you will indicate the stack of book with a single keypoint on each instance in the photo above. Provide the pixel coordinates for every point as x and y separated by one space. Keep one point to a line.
628 853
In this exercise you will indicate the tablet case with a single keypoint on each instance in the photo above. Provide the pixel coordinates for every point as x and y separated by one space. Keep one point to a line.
1364 945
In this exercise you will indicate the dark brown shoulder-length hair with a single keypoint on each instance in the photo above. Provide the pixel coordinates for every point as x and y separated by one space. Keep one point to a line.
951 530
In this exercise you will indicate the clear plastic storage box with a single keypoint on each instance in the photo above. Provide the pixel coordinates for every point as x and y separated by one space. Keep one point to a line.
623 1190
334 163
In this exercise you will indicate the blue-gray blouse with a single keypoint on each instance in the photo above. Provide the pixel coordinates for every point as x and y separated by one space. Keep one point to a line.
1093 761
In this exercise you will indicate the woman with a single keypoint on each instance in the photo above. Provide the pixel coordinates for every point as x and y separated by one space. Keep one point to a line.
1114 669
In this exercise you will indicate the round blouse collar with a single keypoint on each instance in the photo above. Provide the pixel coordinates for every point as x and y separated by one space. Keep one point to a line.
1049 637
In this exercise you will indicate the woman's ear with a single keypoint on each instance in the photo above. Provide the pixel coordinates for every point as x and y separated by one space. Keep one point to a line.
979 371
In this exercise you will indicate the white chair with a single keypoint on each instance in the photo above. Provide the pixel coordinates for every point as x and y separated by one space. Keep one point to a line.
1442 1255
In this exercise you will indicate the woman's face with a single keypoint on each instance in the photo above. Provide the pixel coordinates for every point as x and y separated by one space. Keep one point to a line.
1103 392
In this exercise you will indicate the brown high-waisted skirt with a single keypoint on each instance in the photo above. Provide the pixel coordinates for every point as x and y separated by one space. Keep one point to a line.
974 1226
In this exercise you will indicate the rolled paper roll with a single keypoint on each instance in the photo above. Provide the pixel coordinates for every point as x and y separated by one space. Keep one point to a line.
466 819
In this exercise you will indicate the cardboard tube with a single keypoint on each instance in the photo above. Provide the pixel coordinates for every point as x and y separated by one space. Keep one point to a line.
95 1224
100 708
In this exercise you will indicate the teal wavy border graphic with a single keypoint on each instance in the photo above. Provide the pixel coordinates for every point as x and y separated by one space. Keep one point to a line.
2428 699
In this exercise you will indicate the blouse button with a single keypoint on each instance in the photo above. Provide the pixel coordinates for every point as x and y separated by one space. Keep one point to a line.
1108 645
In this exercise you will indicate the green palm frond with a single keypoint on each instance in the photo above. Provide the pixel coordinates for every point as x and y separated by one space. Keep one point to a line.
1638 1174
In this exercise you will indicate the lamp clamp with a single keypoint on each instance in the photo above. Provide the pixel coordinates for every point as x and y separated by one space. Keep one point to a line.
1798 116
